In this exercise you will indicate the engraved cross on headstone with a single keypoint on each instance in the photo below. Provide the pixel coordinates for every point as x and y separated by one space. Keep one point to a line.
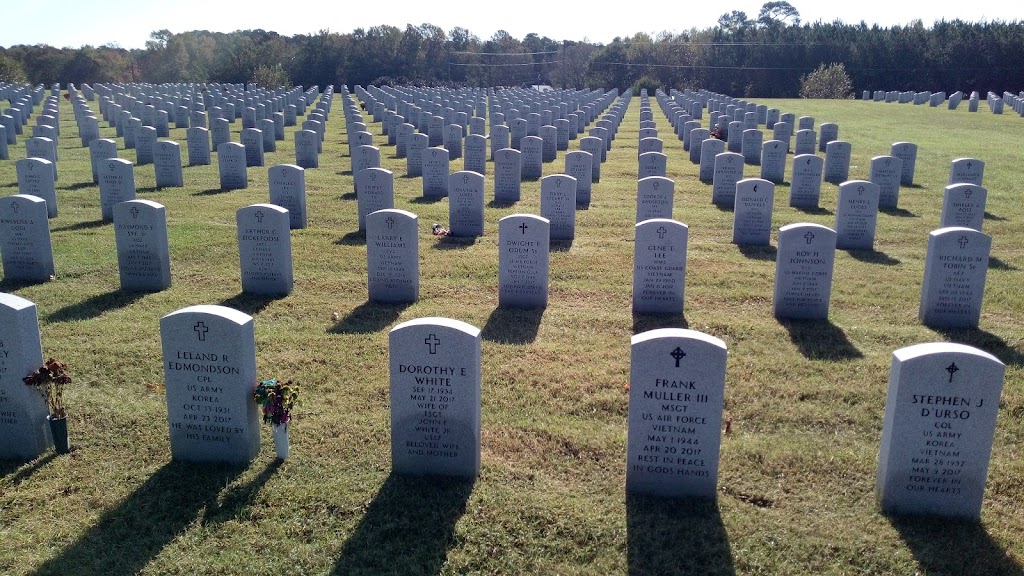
14 207
952 369
523 227
809 236
962 242
661 232
390 222
259 216
135 212
860 190
678 355
968 192
201 330
432 343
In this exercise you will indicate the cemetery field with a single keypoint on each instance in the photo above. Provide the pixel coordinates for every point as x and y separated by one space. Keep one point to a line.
805 400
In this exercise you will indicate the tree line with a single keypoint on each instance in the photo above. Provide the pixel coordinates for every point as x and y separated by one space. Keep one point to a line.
762 57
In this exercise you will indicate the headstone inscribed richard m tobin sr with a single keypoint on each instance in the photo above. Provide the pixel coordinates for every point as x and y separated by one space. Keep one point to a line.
940 417
954 277
24 430
676 393
435 371
210 372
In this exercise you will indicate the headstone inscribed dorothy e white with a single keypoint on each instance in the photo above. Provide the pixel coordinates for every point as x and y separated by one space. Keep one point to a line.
265 249
907 152
954 277
940 417
676 396
578 165
210 373
523 261
392 256
659 266
803 271
24 429
435 369
25 239
143 258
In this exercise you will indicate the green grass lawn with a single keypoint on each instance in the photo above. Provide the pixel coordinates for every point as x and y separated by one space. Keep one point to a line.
796 485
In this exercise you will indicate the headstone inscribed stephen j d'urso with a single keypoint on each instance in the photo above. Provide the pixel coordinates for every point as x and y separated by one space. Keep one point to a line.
676 395
210 372
435 374
940 418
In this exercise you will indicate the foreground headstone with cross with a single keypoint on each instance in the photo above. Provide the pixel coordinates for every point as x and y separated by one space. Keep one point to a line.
803 271
209 357
25 245
143 257
435 369
676 395
940 418
954 277
23 424
523 260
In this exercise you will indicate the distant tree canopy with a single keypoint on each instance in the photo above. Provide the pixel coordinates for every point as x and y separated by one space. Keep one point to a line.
767 56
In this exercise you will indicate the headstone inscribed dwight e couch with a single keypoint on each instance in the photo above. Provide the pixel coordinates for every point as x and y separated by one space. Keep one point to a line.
435 374
676 396
940 417
209 357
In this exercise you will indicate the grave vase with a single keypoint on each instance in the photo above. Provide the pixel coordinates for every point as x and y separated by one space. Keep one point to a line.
59 429
281 441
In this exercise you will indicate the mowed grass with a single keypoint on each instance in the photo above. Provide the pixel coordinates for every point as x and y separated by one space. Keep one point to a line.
806 400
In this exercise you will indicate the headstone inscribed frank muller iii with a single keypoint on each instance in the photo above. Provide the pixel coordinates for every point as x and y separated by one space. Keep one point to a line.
940 417
676 395
23 424
435 369
210 372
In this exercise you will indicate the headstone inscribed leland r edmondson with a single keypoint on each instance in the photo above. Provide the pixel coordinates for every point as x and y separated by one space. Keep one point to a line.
435 374
143 258
676 395
940 417
24 430
209 357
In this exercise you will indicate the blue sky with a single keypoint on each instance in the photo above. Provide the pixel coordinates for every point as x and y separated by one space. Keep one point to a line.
128 23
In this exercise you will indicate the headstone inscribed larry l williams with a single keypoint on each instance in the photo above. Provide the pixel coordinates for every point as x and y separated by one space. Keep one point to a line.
23 424
466 204
966 171
143 258
558 205
35 178
435 369
676 395
856 215
231 164
659 266
376 188
954 277
210 373
265 249
803 271
25 239
752 215
523 260
964 205
392 256
288 190
117 184
940 417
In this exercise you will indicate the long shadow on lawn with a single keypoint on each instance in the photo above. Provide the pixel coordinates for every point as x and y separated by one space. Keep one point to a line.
126 538
759 252
948 546
20 471
369 317
644 322
408 528
513 325
821 340
984 340
95 306
84 225
873 257
675 536
251 304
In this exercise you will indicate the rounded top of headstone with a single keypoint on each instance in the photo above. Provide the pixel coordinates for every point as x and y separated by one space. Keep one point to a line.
141 201
917 350
459 325
14 302
677 333
229 314
27 198
799 225
956 229
519 216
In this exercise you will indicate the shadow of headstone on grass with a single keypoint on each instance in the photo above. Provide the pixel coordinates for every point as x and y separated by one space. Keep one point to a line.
408 528
369 317
16 471
513 325
95 306
953 546
985 340
676 536
645 322
820 340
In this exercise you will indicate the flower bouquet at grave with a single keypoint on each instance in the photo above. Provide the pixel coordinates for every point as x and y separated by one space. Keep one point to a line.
50 379
276 400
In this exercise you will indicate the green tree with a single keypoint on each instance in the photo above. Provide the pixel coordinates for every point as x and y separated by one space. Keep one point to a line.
10 70
830 81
